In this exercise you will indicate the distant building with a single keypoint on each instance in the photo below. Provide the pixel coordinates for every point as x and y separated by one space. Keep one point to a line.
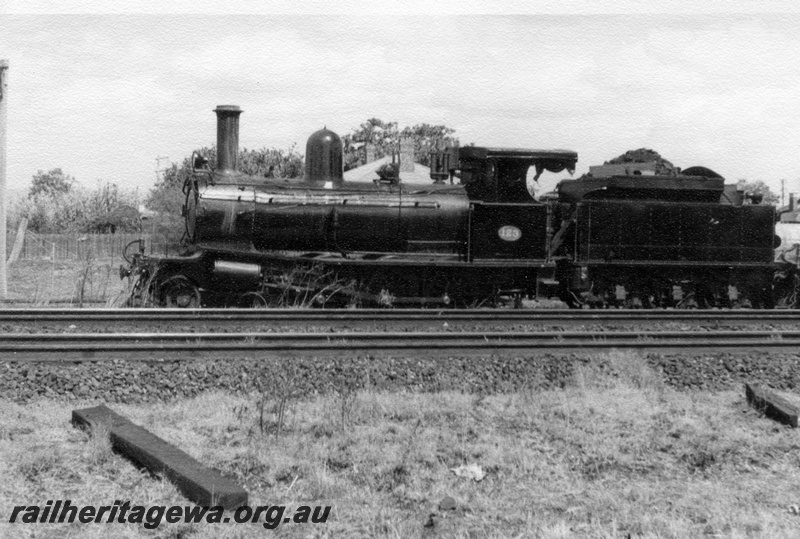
367 173
145 212
788 228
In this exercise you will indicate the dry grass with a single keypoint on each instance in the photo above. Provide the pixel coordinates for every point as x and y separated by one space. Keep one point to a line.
94 280
615 454
42 281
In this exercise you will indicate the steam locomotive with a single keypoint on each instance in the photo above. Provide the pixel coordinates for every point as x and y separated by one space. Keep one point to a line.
623 237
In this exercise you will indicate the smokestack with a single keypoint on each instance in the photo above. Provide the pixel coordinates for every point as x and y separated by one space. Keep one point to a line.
227 138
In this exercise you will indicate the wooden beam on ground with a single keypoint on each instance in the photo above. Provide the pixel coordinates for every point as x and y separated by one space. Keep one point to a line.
771 405
199 484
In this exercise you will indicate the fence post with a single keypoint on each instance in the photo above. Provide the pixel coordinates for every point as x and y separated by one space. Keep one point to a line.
18 241
3 159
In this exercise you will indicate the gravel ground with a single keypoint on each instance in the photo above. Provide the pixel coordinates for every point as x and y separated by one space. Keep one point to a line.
120 381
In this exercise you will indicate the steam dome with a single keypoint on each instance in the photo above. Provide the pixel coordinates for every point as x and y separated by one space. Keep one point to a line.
324 158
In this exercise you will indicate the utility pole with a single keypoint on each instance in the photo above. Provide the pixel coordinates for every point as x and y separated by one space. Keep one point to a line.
3 166
159 170
783 198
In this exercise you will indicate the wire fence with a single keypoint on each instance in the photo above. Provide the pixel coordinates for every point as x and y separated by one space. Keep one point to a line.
81 246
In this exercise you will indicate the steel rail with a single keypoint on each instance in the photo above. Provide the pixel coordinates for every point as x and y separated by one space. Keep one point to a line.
413 318
158 346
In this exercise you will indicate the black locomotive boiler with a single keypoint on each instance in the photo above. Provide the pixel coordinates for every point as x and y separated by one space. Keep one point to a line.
667 240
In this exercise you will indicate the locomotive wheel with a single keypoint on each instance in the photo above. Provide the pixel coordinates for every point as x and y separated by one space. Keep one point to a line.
179 292
252 300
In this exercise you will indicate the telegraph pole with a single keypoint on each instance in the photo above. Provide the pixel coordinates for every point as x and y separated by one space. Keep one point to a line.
783 185
159 170
3 166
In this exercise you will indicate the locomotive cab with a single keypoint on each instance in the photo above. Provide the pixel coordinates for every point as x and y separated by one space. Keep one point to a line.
506 222
497 175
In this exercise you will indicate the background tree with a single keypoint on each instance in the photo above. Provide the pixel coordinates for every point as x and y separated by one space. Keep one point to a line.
428 138
51 183
272 163
385 137
760 188
110 210
54 210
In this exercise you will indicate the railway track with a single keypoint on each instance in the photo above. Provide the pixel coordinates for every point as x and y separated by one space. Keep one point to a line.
132 320
177 334
188 346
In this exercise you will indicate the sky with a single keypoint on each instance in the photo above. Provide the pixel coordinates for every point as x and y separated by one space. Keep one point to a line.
103 95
